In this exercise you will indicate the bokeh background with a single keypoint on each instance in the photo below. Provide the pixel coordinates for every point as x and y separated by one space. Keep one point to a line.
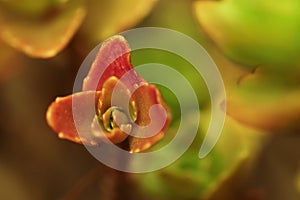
255 45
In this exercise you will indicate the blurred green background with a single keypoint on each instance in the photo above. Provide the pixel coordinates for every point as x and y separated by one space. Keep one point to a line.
255 45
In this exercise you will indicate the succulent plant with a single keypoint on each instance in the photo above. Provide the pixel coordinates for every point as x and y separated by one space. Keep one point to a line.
255 45
112 120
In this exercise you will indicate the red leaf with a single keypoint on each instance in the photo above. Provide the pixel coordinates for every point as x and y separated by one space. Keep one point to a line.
60 116
113 59
145 97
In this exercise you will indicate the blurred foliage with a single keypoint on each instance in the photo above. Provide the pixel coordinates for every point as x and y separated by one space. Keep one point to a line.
202 176
255 44
106 18
254 32
43 29
40 30
262 41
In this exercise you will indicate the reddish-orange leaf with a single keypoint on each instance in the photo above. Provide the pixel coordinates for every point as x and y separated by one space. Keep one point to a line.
60 116
145 97
113 59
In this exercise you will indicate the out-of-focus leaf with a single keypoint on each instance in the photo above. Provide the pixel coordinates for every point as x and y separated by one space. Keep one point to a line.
254 32
260 97
166 11
237 144
31 8
106 18
265 100
40 35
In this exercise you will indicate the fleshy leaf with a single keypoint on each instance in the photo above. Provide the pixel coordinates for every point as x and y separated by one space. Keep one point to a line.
106 18
265 100
144 98
42 36
116 116
253 32
142 144
113 59
60 117
31 8
116 135
262 97
107 92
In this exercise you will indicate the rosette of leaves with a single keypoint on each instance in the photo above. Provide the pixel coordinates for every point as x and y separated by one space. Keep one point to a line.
102 119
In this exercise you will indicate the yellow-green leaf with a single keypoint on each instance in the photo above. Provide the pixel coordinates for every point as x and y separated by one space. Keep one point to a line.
41 36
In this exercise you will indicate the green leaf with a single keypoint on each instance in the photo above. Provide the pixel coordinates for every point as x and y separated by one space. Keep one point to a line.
254 32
